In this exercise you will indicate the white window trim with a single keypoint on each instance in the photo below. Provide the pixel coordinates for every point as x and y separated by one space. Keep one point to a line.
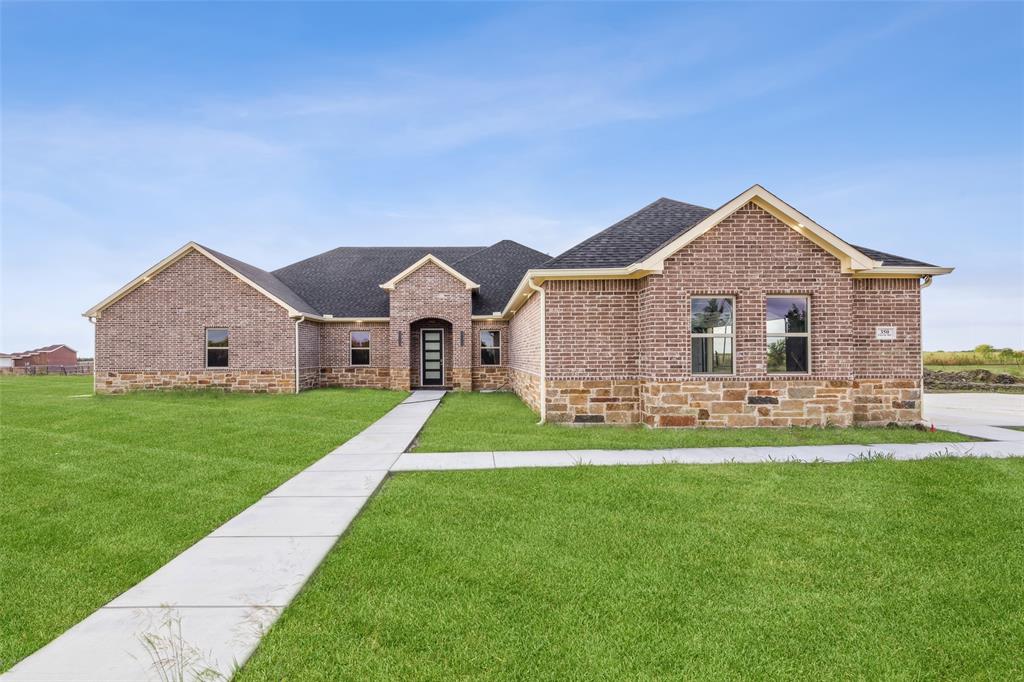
206 342
806 334
369 349
482 348
689 325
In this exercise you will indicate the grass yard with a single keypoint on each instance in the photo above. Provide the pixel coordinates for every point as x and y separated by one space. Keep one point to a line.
98 492
1013 370
870 570
468 422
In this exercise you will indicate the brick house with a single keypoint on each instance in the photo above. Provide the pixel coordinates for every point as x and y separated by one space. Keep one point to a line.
56 355
750 314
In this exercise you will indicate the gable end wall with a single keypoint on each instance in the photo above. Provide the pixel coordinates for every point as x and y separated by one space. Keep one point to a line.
154 336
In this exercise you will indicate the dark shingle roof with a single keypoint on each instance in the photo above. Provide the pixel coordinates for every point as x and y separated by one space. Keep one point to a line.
498 270
634 237
266 281
890 260
345 282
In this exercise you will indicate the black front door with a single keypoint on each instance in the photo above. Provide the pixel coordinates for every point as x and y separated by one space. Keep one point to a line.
432 360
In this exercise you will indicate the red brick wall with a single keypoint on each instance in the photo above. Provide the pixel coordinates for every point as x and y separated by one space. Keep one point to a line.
749 255
591 329
887 303
490 377
161 325
309 354
524 352
336 343
335 356
430 292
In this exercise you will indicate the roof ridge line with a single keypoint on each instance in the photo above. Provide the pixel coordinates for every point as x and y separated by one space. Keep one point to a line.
616 224
470 255
427 249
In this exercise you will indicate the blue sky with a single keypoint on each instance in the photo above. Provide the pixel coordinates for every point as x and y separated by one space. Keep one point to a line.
275 131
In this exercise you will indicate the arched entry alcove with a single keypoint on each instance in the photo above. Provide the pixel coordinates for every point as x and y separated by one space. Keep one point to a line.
431 353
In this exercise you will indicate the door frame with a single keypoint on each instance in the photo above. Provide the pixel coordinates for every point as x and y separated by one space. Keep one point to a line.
423 350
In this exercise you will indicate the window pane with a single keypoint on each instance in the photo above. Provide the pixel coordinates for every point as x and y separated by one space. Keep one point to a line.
360 356
217 338
217 357
787 315
490 339
711 316
787 353
490 356
711 355
360 339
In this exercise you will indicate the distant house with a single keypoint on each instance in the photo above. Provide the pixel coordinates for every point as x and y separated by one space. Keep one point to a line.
6 361
57 355
750 314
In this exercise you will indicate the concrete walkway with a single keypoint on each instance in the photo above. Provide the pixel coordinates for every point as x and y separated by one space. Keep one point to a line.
415 461
205 611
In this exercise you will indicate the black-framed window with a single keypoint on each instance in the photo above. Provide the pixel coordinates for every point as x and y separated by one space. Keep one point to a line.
490 347
360 347
217 347
788 331
711 335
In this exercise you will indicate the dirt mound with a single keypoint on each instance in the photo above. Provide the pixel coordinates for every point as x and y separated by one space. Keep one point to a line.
969 380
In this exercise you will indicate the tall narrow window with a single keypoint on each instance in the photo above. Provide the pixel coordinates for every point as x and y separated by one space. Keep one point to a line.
788 329
711 335
490 348
360 344
216 347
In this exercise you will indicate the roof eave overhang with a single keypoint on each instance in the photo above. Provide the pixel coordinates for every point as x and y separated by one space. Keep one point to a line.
903 272
429 258
97 310
344 320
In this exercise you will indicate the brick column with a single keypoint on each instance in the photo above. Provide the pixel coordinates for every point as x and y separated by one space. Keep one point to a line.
398 346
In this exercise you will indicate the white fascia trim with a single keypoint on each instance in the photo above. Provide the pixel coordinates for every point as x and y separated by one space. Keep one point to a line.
903 271
429 258
851 259
170 260
346 320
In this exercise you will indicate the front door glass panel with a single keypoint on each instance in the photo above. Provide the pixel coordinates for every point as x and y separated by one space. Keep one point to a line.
433 357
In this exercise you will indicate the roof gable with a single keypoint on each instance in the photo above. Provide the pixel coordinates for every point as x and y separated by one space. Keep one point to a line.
429 258
345 282
850 258
260 280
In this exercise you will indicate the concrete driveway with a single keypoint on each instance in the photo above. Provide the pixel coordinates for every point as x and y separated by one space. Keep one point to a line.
990 409
976 414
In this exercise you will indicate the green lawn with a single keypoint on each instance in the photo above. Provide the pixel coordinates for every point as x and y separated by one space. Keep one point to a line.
871 570
98 492
1014 370
468 422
